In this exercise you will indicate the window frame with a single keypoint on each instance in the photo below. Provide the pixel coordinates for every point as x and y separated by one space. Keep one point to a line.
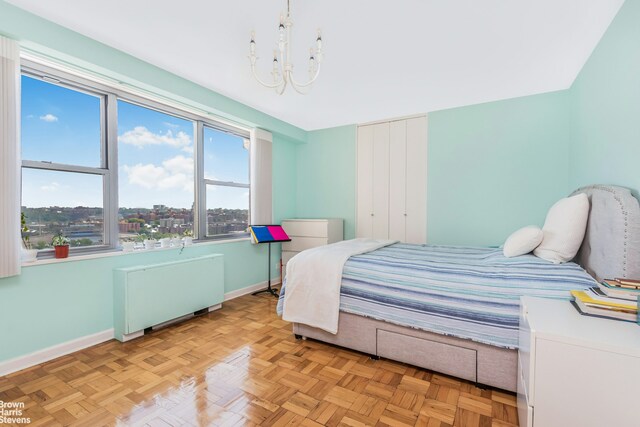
202 183
105 169
109 97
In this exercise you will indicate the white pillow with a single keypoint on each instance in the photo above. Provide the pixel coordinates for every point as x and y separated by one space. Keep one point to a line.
522 241
564 229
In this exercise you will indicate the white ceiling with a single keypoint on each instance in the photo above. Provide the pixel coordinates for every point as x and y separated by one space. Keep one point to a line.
383 58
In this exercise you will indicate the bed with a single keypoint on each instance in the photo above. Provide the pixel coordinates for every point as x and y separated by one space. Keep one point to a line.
455 310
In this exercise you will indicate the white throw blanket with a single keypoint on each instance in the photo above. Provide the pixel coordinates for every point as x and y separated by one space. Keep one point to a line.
314 276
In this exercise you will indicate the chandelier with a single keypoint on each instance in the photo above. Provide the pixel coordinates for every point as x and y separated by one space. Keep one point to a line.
282 71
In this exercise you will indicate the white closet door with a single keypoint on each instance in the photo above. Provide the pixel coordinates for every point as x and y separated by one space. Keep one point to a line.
398 180
381 181
416 224
364 194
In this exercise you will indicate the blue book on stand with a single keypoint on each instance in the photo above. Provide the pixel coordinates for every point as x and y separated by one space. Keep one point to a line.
261 234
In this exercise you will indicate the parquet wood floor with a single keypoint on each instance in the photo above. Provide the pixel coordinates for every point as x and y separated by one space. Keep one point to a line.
241 365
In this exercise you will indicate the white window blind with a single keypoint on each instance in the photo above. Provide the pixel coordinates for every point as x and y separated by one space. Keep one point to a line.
260 158
10 243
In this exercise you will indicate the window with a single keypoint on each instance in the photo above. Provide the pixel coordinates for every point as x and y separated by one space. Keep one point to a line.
156 173
64 163
226 178
102 165
61 124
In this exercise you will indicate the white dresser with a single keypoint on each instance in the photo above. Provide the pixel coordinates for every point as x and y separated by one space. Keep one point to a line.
576 370
309 233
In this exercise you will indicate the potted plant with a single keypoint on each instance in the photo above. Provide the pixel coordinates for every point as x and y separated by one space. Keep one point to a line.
188 237
176 240
128 245
28 253
150 244
60 244
165 242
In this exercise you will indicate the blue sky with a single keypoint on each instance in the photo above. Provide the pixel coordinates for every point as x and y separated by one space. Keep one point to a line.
155 153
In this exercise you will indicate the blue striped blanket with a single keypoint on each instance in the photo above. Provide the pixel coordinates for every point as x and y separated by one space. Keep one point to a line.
471 293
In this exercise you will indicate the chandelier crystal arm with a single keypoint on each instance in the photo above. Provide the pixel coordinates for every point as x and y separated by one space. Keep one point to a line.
269 85
295 84
253 59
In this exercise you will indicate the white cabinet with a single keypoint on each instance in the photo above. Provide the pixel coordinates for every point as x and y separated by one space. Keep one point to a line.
373 181
309 233
575 370
392 180
398 179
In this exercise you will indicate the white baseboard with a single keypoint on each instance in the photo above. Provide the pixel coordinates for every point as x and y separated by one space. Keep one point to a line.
28 360
249 289
53 352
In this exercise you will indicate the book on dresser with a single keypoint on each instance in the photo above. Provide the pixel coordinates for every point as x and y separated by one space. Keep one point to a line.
591 302
620 289
307 233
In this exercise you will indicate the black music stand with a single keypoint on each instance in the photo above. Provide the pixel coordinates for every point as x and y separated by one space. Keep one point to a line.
268 234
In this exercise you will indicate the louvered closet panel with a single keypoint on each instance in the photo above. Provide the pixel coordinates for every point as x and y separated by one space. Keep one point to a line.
381 181
364 205
398 180
416 187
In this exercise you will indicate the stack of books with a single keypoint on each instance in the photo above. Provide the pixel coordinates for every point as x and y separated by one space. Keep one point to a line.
612 298
621 288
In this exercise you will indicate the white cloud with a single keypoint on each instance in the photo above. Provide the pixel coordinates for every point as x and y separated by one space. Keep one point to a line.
54 186
171 125
179 164
140 136
49 118
175 173
146 176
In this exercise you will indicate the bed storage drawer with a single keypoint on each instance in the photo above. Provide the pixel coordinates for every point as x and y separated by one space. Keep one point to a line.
439 357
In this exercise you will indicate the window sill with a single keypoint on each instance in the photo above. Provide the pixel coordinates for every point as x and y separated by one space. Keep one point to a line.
120 252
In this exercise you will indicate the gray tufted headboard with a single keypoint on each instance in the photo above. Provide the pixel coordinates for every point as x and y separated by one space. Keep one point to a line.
611 247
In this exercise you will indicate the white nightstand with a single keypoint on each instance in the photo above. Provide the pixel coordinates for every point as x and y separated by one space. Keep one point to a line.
576 370
309 233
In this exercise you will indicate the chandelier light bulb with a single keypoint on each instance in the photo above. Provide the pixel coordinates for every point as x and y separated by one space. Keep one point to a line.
252 44
283 67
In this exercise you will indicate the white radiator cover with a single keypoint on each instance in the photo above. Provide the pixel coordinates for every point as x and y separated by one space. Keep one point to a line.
149 295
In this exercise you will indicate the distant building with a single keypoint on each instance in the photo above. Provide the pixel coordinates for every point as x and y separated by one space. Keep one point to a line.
170 222
128 227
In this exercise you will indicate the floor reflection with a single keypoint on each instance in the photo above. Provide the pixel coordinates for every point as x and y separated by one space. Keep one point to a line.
242 366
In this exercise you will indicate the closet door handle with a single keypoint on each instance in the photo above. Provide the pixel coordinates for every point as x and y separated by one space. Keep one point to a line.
371 214
405 214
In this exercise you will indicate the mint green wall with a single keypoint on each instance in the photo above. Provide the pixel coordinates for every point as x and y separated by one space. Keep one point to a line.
326 176
495 167
492 168
51 304
605 146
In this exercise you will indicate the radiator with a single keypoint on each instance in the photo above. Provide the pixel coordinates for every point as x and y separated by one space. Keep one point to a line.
149 295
